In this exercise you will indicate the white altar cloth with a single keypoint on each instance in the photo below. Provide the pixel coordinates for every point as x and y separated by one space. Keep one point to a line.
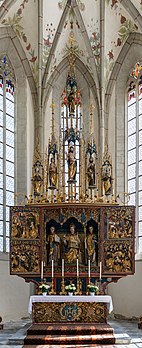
75 298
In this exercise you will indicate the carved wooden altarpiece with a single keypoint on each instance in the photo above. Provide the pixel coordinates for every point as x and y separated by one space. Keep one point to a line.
113 228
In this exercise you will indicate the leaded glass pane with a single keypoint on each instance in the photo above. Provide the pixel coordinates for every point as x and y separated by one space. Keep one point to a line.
9 138
7 245
132 171
9 168
140 197
1 118
140 106
1 134
10 96
1 165
140 213
9 198
1 180
131 185
7 229
140 152
140 228
132 156
1 103
132 142
7 214
140 122
9 107
140 137
131 111
1 150
1 196
1 228
132 200
9 153
140 183
1 212
1 243
10 123
132 126
9 183
140 244
140 168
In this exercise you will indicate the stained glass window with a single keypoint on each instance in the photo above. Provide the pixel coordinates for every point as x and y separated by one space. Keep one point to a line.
134 154
6 149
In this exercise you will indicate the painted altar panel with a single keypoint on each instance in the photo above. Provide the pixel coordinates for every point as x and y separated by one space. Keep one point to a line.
118 251
25 241
40 234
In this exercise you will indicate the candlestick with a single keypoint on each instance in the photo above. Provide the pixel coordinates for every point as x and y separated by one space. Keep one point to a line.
62 268
89 268
52 268
41 269
77 268
100 270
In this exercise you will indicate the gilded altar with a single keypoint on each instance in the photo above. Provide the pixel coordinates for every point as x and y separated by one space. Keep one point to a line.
71 227
62 309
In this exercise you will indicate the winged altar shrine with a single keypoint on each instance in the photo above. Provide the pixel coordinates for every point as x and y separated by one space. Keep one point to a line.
72 228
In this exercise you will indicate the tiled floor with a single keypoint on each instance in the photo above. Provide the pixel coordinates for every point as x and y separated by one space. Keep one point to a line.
127 334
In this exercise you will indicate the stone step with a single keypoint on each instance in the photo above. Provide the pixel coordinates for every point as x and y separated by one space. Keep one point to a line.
70 328
70 339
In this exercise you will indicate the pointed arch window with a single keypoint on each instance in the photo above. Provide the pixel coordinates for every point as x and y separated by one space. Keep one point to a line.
134 151
6 149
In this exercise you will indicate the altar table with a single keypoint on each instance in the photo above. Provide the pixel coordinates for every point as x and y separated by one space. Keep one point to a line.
91 309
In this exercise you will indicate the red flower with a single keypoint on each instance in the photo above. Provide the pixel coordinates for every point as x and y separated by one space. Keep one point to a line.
118 42
33 59
111 55
122 19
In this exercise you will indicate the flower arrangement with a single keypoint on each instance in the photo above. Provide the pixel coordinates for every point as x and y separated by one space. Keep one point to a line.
44 287
92 288
70 288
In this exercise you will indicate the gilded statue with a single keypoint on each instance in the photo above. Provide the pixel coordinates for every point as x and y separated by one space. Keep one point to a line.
71 102
33 231
72 164
72 245
53 242
107 177
52 173
91 244
37 178
91 173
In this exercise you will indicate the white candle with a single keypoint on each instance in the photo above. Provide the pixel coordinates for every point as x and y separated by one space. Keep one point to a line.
100 270
89 268
77 267
62 267
41 269
52 268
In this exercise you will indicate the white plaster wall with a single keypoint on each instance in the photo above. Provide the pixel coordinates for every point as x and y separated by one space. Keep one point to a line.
14 294
127 294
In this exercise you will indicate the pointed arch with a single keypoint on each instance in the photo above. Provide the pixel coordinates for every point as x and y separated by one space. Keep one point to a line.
4 8
86 41
132 10
134 38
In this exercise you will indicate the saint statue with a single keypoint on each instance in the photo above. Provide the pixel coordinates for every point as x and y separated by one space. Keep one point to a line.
37 178
53 242
91 245
72 164
106 177
72 244
52 173
91 173
71 102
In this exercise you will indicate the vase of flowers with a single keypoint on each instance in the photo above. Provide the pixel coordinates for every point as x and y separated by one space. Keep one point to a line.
92 289
70 289
44 289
